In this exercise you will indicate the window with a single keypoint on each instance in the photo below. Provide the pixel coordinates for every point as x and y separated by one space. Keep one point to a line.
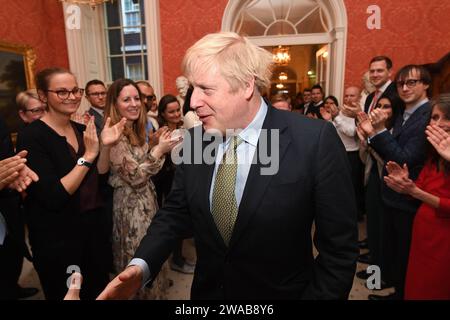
125 34
134 71
283 17
131 16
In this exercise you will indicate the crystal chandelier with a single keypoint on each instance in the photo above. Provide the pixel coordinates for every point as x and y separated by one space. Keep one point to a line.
92 3
281 55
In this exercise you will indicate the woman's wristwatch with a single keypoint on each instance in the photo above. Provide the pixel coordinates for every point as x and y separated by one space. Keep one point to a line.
83 162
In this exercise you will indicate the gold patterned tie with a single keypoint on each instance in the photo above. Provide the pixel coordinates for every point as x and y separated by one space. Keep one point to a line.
224 206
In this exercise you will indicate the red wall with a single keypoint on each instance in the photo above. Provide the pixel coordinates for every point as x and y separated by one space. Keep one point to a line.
412 31
39 24
183 22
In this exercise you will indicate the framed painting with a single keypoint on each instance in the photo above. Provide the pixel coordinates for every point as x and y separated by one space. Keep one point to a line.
17 63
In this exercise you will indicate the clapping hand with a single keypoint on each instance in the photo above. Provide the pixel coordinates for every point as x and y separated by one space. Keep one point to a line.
351 110
91 141
166 143
398 178
361 135
378 119
364 124
440 140
326 114
111 134
154 137
15 174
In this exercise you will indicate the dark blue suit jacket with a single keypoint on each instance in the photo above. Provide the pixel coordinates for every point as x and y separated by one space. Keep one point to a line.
407 144
270 252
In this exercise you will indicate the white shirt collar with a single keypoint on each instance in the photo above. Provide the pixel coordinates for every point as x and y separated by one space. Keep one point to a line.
384 87
248 133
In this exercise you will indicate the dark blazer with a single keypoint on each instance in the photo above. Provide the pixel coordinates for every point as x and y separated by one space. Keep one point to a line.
407 144
390 92
270 253
98 120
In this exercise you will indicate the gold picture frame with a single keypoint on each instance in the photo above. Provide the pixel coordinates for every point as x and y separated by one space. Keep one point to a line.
17 66
29 59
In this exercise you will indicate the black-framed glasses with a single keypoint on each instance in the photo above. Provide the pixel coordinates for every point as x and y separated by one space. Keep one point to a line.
97 94
410 83
64 94
151 97
36 110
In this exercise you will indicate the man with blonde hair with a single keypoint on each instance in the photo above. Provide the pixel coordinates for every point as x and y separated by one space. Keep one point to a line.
252 226
30 107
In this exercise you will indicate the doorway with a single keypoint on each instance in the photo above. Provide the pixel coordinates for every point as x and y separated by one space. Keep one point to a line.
318 24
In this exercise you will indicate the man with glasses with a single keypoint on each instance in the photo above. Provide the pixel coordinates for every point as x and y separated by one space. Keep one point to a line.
96 95
406 145
151 104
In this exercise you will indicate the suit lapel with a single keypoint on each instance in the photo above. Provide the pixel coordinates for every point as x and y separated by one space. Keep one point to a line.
257 184
417 115
368 102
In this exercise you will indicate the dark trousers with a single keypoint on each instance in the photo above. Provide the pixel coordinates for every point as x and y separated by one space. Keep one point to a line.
163 184
357 173
54 265
13 249
107 194
374 210
397 227
11 261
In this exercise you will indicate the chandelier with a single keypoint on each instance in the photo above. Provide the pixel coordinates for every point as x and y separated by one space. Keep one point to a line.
92 3
283 76
281 55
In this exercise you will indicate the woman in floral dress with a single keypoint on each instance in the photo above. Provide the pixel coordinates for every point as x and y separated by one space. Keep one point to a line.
132 164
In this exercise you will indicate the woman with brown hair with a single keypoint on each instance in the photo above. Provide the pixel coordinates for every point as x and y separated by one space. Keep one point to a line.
132 164
63 210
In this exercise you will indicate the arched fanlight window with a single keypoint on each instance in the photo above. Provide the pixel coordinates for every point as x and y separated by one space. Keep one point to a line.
281 17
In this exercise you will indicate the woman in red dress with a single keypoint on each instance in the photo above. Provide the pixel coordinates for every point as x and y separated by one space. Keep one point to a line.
429 258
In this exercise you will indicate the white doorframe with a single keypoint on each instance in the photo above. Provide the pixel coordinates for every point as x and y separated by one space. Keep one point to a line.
153 40
336 38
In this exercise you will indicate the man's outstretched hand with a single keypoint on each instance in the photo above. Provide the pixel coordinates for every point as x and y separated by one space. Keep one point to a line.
124 286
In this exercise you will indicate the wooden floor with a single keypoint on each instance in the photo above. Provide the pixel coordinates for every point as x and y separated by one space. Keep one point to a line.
182 282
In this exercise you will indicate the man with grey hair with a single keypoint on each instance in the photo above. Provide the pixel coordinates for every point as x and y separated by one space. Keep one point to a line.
252 230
